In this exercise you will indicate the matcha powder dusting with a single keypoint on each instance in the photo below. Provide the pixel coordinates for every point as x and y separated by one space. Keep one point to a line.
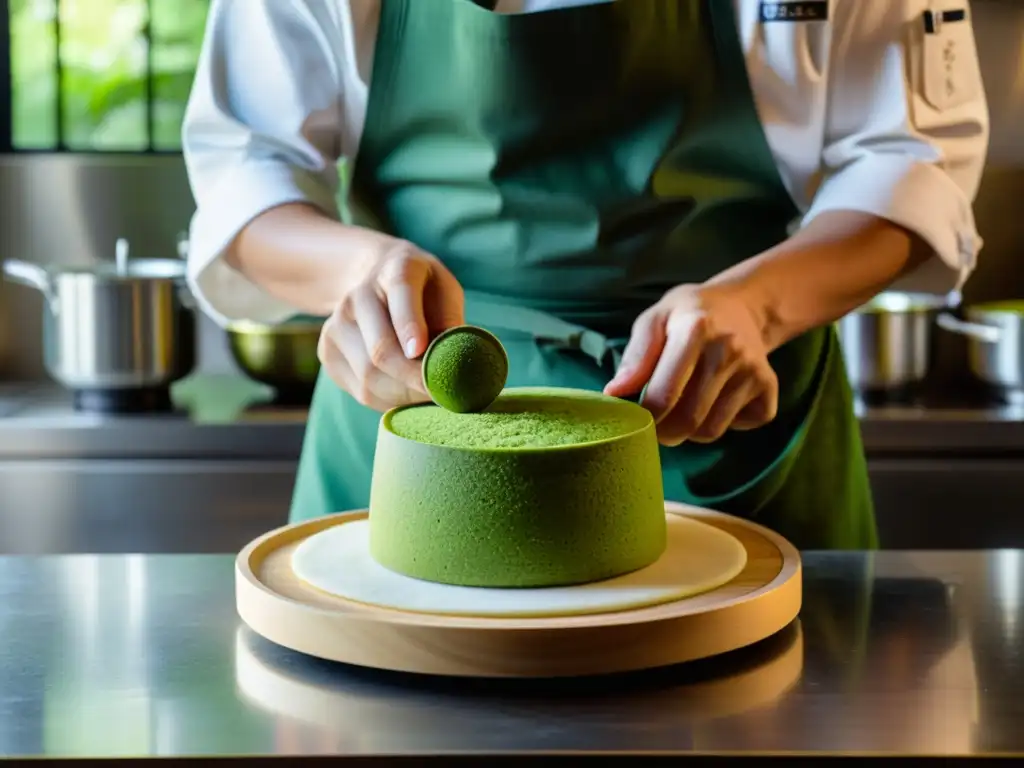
520 420
465 369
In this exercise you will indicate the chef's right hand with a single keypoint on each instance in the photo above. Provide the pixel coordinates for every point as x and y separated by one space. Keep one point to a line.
390 308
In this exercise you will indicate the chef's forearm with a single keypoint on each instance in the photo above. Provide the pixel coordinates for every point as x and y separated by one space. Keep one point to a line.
301 256
832 266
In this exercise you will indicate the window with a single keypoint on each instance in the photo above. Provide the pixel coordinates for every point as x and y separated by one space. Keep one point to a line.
97 75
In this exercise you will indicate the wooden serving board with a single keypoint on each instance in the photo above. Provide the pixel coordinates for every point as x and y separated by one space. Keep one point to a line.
763 599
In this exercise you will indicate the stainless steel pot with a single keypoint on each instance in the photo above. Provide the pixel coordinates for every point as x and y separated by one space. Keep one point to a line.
127 325
887 343
995 345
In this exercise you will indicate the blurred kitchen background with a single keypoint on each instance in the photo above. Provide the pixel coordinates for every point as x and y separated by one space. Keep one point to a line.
92 94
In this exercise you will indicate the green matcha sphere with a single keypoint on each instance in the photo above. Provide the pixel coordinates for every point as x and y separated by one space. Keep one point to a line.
464 369
547 487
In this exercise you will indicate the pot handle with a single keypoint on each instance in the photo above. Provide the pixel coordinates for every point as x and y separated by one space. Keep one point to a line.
34 276
185 296
184 292
182 245
987 334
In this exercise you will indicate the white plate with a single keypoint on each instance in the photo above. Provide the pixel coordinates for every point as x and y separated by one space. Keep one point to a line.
698 558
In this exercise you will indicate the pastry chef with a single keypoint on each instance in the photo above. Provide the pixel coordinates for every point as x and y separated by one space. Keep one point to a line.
681 195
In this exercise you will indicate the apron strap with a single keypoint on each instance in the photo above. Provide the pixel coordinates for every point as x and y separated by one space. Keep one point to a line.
491 311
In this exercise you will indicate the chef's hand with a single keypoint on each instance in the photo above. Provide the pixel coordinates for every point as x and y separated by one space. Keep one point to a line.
391 305
700 352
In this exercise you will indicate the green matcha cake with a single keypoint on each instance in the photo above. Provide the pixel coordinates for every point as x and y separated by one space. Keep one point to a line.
546 487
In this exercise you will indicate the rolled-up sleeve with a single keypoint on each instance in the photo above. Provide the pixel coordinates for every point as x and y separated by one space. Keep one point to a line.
907 128
261 129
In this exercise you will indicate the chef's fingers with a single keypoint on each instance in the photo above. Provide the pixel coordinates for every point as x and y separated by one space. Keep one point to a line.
383 350
710 377
639 358
340 372
686 336
443 300
765 405
720 362
402 279
367 383
734 397
342 337
334 365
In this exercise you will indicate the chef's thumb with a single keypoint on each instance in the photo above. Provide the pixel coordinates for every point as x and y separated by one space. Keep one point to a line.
405 305
640 356
444 301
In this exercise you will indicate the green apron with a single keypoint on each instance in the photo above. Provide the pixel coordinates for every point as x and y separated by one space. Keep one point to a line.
569 167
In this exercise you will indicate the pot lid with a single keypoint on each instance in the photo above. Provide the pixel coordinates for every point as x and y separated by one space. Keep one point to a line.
134 269
127 268
897 301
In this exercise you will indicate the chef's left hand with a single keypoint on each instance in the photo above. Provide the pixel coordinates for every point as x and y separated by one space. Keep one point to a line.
701 354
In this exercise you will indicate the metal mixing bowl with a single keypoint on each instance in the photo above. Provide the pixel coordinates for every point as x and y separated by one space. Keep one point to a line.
280 356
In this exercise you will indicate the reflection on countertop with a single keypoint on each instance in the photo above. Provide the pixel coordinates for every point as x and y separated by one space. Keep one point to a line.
132 655
224 416
231 416
202 399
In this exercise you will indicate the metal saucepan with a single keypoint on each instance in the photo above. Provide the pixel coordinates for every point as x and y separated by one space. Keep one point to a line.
888 343
280 356
995 345
114 327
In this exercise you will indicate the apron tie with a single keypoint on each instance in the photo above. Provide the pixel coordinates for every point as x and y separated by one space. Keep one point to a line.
491 311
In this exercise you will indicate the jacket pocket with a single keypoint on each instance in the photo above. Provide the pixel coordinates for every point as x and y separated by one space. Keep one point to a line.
945 77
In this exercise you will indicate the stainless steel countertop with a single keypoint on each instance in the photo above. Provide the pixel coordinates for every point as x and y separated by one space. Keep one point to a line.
230 417
107 656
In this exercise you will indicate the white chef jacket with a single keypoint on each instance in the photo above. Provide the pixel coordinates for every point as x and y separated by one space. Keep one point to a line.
863 111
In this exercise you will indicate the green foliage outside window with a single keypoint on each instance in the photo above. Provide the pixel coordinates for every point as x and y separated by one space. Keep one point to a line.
125 70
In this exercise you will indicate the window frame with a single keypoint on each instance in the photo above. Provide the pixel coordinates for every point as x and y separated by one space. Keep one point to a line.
6 81
7 102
